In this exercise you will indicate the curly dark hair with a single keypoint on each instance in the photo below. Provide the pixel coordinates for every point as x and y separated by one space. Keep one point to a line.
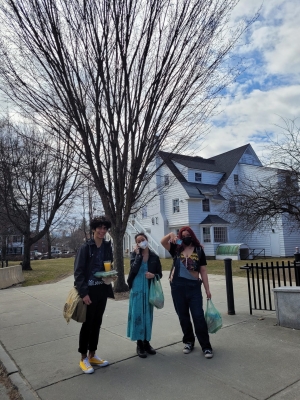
140 234
99 221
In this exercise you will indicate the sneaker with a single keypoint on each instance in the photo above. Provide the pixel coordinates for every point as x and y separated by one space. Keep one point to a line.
188 347
97 361
208 353
86 366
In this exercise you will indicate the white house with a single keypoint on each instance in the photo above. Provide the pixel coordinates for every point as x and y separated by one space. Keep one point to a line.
194 192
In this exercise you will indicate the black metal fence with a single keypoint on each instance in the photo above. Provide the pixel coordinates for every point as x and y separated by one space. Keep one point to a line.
263 277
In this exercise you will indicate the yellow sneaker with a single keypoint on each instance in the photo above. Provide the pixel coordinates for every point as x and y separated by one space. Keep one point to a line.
86 366
97 361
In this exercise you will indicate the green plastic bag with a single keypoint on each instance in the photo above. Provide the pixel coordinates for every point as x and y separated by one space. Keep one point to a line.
213 317
156 294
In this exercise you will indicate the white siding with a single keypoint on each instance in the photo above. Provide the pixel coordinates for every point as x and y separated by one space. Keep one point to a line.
208 177
182 169
291 238
249 157
278 241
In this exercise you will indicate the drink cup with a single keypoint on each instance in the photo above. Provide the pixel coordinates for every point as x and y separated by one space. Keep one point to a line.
107 266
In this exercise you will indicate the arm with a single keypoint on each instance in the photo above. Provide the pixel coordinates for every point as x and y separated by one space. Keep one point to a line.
204 277
156 269
167 240
80 265
203 271
135 263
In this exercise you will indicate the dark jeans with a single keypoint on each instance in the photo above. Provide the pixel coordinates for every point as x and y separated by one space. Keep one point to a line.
90 329
187 298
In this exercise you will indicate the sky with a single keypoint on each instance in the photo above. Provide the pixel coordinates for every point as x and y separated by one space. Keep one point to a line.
269 89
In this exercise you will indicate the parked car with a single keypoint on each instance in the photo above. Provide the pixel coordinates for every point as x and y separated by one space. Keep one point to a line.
35 255
55 253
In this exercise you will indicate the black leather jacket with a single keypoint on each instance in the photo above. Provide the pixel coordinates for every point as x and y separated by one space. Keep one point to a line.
154 266
84 263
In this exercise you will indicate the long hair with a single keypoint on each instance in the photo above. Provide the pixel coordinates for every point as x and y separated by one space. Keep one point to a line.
191 232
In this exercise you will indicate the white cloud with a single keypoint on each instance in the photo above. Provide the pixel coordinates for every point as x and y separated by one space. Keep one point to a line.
270 88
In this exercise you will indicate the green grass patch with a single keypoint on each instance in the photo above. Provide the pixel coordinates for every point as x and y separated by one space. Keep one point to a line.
47 271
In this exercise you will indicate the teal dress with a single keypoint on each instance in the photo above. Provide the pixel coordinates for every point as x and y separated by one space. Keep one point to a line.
140 314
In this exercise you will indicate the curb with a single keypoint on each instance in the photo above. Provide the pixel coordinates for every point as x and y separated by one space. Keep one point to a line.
15 377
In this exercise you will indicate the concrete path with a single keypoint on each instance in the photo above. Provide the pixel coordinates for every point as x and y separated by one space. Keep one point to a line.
253 357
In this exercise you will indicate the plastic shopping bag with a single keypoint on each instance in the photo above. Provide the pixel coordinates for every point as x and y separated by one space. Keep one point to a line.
213 317
156 295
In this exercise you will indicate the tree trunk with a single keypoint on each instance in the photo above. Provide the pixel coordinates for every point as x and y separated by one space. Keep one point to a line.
48 237
26 256
3 249
120 284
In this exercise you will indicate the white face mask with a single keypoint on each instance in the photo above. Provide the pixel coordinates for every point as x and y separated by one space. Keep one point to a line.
143 244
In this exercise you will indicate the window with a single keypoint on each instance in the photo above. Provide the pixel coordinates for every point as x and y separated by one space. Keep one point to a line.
206 235
153 221
144 212
167 181
205 205
232 206
198 177
175 205
156 220
236 179
220 234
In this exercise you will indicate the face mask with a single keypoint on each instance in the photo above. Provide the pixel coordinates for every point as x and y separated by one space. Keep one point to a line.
187 240
143 244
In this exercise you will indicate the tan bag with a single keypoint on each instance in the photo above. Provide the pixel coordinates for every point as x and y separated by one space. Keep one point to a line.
74 307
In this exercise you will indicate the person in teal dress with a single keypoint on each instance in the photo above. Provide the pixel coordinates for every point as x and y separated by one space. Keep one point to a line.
144 266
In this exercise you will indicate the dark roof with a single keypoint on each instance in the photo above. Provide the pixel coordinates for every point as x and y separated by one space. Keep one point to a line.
192 190
167 159
189 161
223 163
227 161
214 220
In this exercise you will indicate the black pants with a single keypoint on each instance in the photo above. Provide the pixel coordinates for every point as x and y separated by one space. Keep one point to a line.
90 329
187 298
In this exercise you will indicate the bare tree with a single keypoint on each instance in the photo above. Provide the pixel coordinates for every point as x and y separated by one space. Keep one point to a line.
77 233
121 79
33 169
273 194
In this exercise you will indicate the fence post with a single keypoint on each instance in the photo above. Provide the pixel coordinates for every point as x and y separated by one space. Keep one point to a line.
297 266
229 286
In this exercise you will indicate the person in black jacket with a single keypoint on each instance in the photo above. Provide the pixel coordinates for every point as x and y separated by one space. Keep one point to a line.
144 266
93 291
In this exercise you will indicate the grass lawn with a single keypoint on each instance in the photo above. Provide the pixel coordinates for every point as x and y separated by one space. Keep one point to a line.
46 271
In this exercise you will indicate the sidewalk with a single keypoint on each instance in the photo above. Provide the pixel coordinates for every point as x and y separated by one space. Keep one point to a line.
253 358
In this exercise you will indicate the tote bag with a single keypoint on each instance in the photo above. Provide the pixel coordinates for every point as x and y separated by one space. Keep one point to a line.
74 307
156 295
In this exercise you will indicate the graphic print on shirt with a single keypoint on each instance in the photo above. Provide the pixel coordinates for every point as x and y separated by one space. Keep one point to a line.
190 262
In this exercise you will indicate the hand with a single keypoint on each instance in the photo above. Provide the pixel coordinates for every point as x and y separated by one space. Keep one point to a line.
208 294
149 275
137 250
86 299
172 237
107 280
